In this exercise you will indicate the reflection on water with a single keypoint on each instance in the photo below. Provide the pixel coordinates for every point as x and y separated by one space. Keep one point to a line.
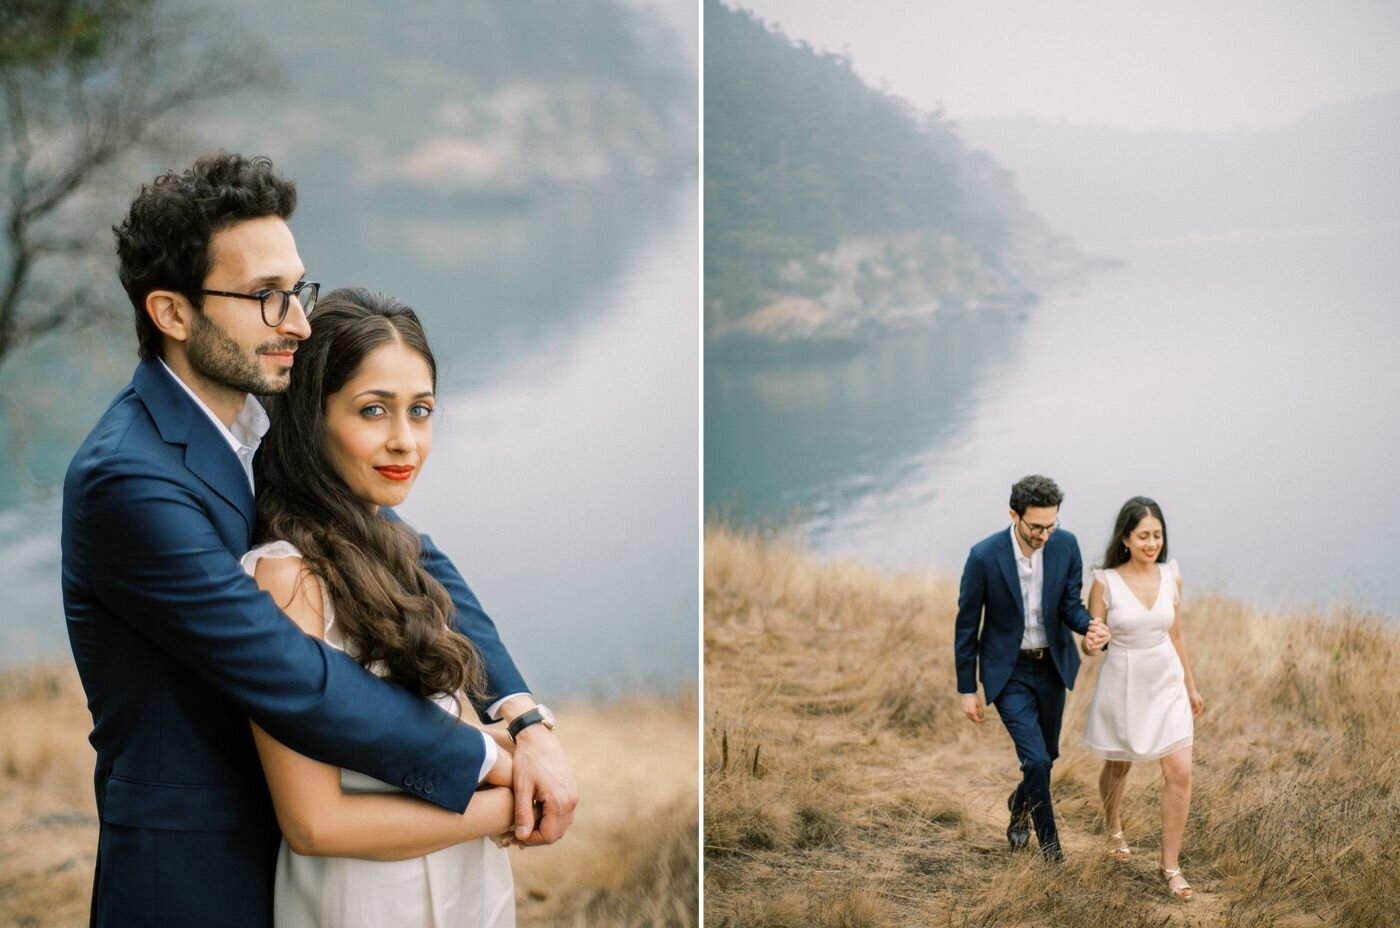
564 478
565 489
1246 382
493 283
803 439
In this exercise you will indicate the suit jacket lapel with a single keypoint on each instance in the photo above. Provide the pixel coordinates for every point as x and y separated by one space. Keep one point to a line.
181 422
1007 559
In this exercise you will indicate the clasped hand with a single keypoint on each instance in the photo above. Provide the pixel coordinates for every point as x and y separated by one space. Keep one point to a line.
545 791
1097 636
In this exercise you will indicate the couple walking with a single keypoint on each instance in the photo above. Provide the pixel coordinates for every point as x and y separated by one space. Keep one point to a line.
1018 604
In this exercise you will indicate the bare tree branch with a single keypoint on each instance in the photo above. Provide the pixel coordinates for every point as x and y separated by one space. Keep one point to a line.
110 82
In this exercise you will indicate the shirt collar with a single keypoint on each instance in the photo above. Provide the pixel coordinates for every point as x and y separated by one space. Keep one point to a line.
1016 548
249 426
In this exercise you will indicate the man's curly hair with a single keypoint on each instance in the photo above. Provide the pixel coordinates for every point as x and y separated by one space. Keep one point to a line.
163 243
1035 490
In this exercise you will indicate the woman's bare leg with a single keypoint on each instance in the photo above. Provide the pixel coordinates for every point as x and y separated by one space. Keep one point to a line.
1113 781
1176 802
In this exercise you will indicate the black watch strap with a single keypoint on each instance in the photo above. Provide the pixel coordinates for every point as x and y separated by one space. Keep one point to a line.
524 720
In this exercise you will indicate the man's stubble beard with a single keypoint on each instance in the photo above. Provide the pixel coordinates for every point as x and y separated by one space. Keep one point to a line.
215 356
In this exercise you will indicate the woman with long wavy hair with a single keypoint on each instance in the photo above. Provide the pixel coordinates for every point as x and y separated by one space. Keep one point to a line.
348 438
1146 699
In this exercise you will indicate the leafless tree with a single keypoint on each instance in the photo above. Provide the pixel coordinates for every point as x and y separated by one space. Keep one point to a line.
93 88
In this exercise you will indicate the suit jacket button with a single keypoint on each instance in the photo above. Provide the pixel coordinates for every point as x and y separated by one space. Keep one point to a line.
418 783
428 787
408 781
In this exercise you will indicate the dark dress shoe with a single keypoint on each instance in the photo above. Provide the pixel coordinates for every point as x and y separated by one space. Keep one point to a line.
1052 854
1018 833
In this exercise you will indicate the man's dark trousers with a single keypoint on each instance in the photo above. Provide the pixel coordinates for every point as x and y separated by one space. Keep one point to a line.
1031 706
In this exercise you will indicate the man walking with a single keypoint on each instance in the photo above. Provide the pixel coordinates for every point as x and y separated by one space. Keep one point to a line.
1017 604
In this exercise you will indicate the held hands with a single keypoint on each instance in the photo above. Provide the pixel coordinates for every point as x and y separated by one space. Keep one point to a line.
972 707
1097 636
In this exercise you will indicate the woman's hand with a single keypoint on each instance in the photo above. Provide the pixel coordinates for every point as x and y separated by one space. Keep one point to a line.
503 773
1198 704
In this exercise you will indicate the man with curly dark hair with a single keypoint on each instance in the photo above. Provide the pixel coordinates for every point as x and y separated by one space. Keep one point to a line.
176 646
1018 604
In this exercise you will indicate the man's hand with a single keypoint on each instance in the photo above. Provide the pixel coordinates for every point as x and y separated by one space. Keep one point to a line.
972 707
544 782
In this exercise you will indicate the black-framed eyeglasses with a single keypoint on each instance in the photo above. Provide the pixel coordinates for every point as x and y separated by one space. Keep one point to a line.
1039 530
305 292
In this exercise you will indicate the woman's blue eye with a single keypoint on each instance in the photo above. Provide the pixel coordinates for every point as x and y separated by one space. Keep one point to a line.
421 410
372 412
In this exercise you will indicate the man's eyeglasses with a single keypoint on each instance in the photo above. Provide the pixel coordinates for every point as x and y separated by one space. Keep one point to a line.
1039 530
305 292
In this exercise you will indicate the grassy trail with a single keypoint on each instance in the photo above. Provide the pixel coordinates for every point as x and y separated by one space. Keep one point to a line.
844 787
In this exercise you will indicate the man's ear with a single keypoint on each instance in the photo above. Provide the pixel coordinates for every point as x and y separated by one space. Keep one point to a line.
170 312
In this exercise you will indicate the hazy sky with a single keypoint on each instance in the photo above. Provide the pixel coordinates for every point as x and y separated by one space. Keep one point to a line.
1140 64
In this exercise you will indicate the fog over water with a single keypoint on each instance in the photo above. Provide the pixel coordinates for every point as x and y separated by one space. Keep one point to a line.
535 202
1193 65
1237 163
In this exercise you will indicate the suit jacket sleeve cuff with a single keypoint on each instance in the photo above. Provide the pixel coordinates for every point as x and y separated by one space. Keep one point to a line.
493 711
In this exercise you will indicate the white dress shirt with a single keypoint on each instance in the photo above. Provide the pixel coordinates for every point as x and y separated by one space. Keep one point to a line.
245 437
1031 571
249 426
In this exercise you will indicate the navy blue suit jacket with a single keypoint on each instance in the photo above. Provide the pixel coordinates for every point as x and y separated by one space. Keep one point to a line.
991 618
177 648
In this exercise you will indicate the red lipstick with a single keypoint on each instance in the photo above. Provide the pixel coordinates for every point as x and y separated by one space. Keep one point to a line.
396 471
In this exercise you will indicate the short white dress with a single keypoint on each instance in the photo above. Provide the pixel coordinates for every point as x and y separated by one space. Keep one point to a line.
467 885
1140 709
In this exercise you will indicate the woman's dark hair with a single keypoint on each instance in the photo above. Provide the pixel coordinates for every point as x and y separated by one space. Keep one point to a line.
1133 512
163 243
1035 490
389 608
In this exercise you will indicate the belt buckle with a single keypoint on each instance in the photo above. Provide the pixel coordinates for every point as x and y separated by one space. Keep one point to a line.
1035 654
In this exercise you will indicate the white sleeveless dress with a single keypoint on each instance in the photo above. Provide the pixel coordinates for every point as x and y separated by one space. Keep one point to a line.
1140 709
467 885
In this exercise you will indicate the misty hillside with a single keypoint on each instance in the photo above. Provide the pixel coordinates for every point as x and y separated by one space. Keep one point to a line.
1337 165
833 209
479 100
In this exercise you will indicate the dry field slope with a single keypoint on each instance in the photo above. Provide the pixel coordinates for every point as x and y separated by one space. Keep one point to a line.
630 859
844 787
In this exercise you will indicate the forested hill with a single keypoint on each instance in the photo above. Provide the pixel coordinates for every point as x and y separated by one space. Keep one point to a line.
833 209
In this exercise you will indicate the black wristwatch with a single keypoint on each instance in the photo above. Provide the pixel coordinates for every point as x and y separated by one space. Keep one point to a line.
540 714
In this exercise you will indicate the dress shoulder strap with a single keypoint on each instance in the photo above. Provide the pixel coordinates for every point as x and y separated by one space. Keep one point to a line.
1101 575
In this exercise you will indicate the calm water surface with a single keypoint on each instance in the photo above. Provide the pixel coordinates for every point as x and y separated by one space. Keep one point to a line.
1247 382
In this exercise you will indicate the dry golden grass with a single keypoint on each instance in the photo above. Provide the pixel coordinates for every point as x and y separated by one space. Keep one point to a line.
630 859
844 787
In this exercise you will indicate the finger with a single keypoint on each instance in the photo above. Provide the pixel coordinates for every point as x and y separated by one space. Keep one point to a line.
524 809
552 826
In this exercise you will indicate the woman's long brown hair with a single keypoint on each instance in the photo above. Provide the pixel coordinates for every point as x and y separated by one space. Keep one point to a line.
389 608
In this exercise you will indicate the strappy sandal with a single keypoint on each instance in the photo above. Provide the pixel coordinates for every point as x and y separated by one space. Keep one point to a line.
1184 891
1121 850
